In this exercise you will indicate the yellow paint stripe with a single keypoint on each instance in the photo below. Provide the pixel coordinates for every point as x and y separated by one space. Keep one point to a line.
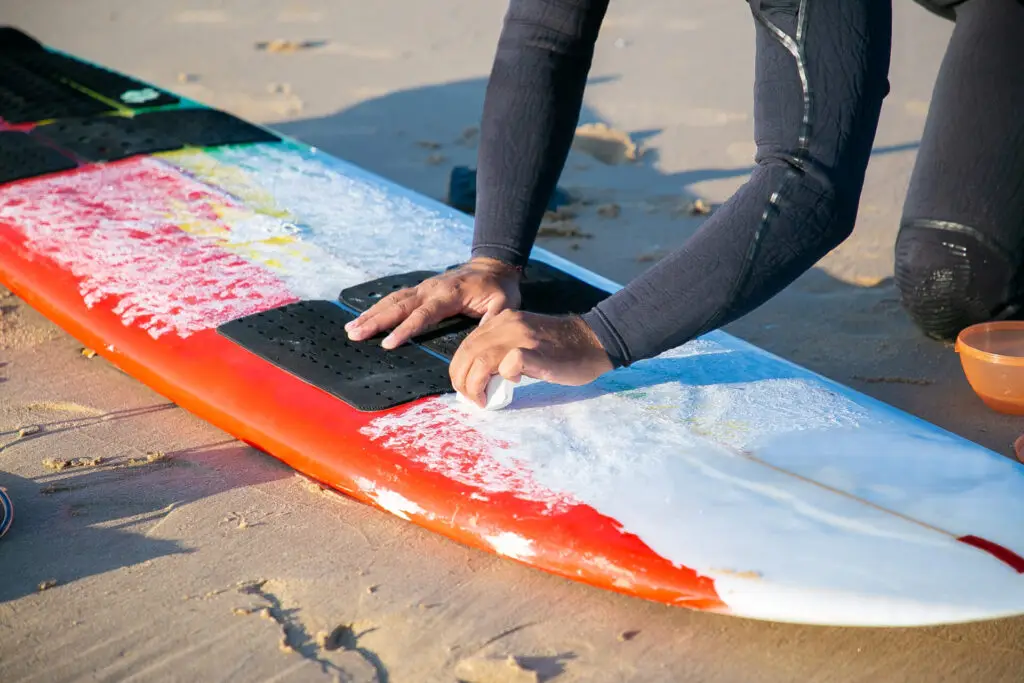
126 111
269 251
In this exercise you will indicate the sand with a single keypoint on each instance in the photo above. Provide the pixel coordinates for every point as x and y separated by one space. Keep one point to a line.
173 552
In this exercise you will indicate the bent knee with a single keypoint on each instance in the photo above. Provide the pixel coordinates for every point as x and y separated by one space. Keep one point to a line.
950 277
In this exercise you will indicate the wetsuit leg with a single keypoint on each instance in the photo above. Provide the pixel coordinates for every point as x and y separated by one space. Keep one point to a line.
960 250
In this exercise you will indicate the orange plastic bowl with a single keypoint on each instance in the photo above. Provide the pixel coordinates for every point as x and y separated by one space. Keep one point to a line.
992 355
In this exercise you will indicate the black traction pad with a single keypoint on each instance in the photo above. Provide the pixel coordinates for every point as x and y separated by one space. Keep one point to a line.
443 338
545 289
106 138
126 91
14 40
206 127
22 157
308 340
37 84
26 97
109 138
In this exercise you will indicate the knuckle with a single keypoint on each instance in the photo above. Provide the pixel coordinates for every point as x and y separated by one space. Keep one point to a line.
395 297
510 316
493 359
419 315
406 306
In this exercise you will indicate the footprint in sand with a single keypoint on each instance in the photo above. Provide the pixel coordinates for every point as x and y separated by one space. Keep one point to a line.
607 145
64 407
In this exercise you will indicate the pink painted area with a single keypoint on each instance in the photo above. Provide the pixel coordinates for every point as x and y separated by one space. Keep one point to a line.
117 229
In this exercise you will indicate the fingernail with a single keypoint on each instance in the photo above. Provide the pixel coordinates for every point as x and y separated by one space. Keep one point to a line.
388 342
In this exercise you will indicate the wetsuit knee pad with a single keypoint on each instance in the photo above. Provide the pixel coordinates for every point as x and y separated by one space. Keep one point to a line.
944 8
950 277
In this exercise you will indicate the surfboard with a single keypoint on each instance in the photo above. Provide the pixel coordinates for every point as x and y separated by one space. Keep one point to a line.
215 261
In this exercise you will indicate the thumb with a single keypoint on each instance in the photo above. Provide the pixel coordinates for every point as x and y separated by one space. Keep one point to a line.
493 309
524 362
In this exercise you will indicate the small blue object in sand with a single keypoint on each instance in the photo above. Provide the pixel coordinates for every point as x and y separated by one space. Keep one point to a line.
462 192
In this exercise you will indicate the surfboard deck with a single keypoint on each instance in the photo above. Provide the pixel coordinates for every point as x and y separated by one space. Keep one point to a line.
716 477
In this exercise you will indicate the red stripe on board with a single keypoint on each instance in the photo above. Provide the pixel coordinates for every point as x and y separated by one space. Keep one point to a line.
995 550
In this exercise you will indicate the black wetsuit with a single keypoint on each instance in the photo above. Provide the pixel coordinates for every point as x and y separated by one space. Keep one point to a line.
821 76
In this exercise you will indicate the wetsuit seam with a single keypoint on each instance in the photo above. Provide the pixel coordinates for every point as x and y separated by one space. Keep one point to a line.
952 226
501 247
795 47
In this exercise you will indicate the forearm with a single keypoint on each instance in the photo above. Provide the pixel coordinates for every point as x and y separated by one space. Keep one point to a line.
742 256
817 107
531 109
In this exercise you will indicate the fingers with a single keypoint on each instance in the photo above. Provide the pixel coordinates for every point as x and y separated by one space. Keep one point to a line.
384 314
513 366
468 365
417 321
497 305
480 373
410 311
494 345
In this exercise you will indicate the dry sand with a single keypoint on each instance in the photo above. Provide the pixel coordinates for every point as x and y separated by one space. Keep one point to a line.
168 551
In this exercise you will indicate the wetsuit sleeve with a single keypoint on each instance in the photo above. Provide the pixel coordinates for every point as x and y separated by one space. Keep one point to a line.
821 76
531 109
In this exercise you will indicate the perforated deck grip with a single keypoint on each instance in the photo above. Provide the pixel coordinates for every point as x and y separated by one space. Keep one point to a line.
308 340
544 288
37 84
111 85
26 97
22 157
109 138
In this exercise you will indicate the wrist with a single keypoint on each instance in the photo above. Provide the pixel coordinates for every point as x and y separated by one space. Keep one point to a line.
592 342
496 266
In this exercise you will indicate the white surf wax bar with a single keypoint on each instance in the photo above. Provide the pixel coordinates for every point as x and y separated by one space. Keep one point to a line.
499 394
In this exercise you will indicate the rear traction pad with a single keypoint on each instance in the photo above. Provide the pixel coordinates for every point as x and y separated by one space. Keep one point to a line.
308 340
37 84
26 97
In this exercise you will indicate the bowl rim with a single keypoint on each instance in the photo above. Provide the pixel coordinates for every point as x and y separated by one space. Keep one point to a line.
962 346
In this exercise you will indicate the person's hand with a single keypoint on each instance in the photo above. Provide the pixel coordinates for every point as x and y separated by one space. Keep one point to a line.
513 344
481 288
